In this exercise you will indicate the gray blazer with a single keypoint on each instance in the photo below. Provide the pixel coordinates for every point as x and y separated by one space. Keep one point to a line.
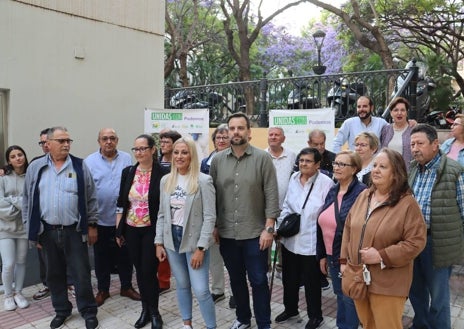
199 220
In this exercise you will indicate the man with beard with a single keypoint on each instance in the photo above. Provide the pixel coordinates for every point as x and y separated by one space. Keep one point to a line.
363 122
247 206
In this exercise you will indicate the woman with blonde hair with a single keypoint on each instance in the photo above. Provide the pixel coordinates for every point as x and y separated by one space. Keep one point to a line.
184 230
366 145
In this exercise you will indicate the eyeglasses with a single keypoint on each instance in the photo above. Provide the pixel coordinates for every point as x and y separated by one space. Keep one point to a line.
361 145
456 124
341 164
305 161
108 138
141 149
42 143
62 140
222 138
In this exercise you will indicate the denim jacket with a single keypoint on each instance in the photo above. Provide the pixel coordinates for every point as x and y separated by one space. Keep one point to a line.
446 147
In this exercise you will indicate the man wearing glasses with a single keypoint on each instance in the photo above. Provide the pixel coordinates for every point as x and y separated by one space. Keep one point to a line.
61 213
106 166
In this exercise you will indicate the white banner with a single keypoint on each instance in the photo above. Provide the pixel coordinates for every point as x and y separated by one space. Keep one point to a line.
297 125
192 122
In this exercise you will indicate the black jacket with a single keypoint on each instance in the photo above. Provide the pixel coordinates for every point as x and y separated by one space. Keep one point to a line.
127 178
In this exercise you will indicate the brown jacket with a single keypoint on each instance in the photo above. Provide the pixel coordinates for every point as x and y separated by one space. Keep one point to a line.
398 233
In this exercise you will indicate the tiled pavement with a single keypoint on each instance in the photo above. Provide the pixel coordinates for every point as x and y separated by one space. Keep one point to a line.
119 312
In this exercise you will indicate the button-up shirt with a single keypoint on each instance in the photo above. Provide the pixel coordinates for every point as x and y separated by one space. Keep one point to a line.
423 186
354 126
284 169
246 192
107 177
58 194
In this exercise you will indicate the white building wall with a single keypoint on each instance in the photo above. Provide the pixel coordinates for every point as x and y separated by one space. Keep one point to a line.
61 68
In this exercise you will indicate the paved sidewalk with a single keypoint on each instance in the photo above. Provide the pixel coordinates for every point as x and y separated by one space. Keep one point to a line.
120 313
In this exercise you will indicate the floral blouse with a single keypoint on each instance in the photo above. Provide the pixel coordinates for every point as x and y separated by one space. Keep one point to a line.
138 214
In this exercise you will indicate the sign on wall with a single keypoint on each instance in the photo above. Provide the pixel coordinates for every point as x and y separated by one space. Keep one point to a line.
192 122
297 125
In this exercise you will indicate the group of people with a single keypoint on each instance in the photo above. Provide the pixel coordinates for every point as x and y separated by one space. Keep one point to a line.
401 219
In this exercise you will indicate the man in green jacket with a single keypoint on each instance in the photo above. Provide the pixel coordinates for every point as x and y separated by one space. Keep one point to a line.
438 186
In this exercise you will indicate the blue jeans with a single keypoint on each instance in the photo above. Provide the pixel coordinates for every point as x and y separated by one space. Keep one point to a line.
65 251
347 318
242 258
188 278
430 286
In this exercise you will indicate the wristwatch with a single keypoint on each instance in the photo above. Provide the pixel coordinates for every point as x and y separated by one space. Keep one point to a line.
270 229
93 225
201 248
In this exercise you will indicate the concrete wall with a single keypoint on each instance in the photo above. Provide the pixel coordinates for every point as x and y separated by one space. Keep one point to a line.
82 64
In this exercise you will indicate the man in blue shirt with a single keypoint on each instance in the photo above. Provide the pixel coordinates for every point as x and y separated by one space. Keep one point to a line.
61 212
363 122
106 166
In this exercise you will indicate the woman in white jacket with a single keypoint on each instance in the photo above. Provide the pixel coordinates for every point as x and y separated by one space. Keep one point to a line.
13 238
299 263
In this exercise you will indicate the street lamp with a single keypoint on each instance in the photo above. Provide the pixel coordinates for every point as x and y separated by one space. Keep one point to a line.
319 37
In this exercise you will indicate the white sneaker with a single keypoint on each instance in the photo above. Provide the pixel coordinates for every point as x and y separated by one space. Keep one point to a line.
21 301
238 325
9 303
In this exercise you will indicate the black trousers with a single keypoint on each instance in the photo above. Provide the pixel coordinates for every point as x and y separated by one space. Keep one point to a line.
107 255
298 269
140 243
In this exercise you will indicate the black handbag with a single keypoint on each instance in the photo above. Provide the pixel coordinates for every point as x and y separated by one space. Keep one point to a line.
290 225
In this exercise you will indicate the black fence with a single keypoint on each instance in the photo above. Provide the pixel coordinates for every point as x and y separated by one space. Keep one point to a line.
338 91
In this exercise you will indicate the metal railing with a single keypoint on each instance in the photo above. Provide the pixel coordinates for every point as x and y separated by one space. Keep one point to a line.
256 98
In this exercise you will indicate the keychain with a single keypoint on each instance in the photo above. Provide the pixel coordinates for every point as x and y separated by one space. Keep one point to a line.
366 275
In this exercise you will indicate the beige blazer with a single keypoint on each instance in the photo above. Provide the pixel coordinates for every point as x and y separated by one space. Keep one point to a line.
199 218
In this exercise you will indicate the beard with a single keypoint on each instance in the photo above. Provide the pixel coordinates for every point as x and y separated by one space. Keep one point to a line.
365 116
240 141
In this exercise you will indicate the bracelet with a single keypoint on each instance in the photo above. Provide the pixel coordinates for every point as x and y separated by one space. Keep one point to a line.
159 245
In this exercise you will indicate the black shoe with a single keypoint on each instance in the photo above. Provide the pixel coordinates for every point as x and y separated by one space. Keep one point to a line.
91 323
144 318
314 323
325 284
284 316
232 302
58 321
156 322
218 297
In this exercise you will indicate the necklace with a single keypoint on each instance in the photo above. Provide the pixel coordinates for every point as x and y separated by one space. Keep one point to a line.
376 202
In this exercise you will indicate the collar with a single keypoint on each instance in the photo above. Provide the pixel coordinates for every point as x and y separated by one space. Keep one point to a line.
432 164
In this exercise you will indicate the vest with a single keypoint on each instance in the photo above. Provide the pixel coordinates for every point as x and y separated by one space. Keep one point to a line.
446 224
